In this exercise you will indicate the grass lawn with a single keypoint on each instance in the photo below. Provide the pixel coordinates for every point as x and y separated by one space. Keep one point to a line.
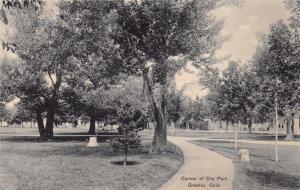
182 133
28 164
229 135
35 131
261 173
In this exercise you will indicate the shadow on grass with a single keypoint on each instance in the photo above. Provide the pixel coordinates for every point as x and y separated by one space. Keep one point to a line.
272 137
83 133
129 163
33 147
77 151
271 177
72 146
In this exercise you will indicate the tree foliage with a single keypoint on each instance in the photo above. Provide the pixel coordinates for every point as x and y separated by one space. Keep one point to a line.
153 31
96 64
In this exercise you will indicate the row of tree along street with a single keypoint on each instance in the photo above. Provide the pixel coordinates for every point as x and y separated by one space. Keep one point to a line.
250 93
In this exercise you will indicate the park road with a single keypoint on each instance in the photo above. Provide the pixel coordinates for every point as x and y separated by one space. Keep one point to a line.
202 169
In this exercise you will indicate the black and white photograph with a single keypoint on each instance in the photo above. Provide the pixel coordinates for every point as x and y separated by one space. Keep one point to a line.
150 95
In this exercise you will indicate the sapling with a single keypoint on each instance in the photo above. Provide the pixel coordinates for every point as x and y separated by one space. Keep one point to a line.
131 124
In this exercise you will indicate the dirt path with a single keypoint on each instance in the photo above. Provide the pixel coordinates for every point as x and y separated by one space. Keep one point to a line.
202 169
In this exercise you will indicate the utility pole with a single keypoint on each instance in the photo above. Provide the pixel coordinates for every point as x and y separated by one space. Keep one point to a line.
214 130
235 135
276 122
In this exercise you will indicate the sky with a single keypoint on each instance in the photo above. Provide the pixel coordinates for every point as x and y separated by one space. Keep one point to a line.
242 24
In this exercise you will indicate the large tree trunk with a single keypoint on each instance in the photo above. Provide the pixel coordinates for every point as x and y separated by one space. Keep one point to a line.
49 124
159 142
39 119
289 130
160 137
92 129
52 104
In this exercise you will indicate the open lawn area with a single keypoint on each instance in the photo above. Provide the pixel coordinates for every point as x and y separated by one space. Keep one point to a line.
261 173
229 135
35 131
27 164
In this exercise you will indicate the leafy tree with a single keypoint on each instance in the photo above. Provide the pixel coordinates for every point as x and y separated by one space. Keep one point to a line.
16 5
131 122
234 96
175 106
210 78
20 114
227 96
251 95
87 24
131 115
294 20
9 86
278 69
265 104
19 82
2 112
44 65
129 139
152 31
193 112
199 110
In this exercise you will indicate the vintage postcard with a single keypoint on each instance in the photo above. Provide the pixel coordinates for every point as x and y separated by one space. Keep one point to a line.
149 95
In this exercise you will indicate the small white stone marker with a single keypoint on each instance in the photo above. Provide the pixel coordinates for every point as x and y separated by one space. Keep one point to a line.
93 142
244 155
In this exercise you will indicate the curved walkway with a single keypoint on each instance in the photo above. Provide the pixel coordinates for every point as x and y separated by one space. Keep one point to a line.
202 169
